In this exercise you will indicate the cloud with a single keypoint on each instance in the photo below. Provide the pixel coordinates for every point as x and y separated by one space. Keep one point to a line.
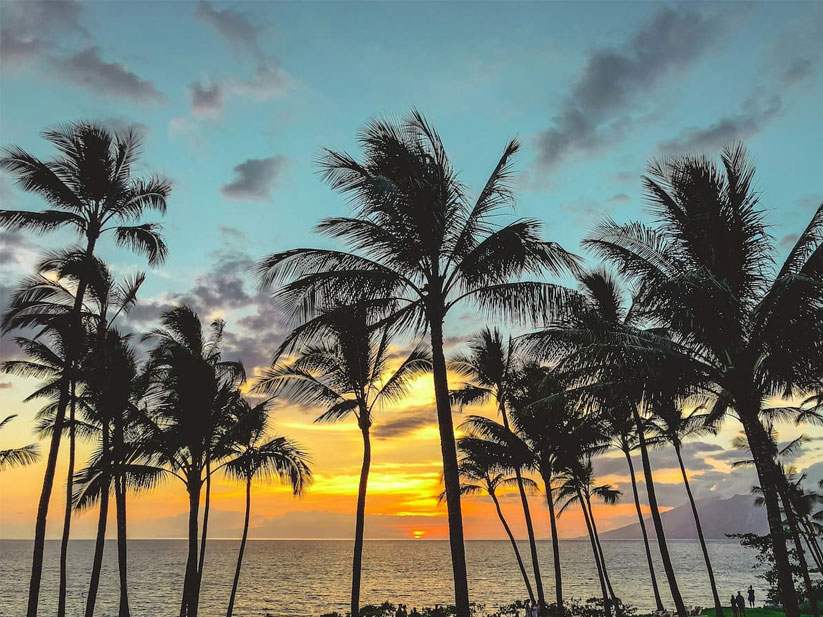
233 26
206 99
788 241
5 385
619 198
613 79
754 115
31 29
87 69
404 422
269 81
254 179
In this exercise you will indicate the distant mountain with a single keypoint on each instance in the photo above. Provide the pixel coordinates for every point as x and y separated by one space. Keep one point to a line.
717 516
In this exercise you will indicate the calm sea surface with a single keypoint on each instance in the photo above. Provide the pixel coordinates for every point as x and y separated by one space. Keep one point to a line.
307 578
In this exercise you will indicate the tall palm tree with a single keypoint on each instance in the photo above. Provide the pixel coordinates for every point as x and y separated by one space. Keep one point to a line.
601 342
255 458
704 272
90 191
349 374
419 248
481 472
577 486
191 389
674 426
490 369
17 457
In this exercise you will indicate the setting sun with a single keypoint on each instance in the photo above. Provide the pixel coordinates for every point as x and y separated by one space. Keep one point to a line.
418 534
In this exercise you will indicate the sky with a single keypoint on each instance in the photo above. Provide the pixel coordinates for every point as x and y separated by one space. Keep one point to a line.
235 102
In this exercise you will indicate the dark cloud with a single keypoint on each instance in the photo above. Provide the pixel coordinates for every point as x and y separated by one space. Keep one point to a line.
619 198
754 115
5 385
206 99
403 422
88 69
234 26
12 247
592 114
31 29
788 241
254 179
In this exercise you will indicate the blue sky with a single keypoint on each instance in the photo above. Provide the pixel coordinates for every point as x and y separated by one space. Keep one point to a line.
236 101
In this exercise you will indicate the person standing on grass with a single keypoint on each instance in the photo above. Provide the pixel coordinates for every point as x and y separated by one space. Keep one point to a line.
741 604
751 596
733 605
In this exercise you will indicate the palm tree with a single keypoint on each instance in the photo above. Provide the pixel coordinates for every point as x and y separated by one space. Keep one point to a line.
419 248
89 190
705 273
255 458
577 486
490 369
480 470
601 343
348 374
17 457
191 389
674 426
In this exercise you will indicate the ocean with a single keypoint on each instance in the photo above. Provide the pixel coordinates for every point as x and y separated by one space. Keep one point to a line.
309 577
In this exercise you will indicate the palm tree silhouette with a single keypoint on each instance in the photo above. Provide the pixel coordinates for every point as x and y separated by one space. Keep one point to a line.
17 457
599 339
705 273
255 458
419 248
90 191
491 370
674 426
480 469
191 389
349 373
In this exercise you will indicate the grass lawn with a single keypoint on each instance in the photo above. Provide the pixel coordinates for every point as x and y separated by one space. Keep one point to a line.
750 612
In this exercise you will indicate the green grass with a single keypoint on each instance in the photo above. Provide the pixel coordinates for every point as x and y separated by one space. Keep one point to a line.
750 612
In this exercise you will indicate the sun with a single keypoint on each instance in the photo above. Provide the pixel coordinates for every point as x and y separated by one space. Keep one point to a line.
418 534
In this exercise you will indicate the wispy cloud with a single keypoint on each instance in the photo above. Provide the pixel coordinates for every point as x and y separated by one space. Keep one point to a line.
254 179
88 69
595 111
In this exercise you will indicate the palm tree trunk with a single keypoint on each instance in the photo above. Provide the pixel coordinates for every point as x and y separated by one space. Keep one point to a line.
718 607
596 555
100 541
188 606
451 477
242 549
359 522
600 552
769 475
64 541
680 607
658 602
558 576
791 519
811 542
514 545
204 533
51 461
122 555
538 579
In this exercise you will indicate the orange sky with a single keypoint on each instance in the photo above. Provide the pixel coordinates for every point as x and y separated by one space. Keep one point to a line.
403 488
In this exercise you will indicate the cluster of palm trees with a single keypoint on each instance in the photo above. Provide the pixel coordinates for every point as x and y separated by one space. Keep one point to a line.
178 414
685 323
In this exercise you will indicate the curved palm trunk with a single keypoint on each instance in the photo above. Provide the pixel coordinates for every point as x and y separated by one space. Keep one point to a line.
100 541
718 607
596 555
451 477
658 602
770 477
680 607
189 604
814 550
51 461
600 552
558 576
359 525
242 549
791 519
122 555
204 533
513 543
64 540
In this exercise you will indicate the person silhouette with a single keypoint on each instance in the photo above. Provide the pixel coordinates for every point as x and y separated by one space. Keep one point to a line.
751 596
741 604
733 605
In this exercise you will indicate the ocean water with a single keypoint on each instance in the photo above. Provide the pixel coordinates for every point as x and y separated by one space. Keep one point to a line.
307 577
